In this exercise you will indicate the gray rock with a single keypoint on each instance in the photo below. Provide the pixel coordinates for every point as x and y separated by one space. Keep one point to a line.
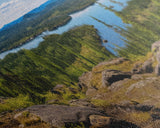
156 46
98 121
137 85
81 102
91 91
156 51
60 115
111 76
147 66
84 80
157 69
148 82
117 85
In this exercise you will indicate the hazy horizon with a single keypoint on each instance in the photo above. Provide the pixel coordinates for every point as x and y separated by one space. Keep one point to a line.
11 10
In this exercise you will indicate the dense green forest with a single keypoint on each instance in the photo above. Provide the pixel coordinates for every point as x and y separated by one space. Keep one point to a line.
55 14
60 59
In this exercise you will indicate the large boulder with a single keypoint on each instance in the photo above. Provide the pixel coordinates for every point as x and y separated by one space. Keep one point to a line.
147 90
111 76
98 121
118 85
60 115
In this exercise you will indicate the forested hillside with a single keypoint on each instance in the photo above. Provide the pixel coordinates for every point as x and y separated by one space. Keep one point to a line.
55 14
60 59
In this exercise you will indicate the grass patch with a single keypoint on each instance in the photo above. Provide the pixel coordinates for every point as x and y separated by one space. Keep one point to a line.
138 117
15 103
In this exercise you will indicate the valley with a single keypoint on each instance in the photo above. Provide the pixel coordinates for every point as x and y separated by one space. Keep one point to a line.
73 80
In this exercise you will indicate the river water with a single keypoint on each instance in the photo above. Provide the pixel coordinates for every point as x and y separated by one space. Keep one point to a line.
86 17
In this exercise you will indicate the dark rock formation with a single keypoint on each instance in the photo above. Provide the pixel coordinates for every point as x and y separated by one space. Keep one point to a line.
111 76
147 66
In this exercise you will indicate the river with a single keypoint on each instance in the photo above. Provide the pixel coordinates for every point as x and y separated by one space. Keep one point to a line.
86 17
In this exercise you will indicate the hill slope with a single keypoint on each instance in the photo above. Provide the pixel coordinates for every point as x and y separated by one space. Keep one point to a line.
60 59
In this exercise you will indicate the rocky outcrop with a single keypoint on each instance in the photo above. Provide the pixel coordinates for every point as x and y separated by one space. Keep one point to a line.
146 67
148 88
156 56
84 80
118 85
108 122
152 64
155 47
91 91
123 96
111 62
60 115
111 76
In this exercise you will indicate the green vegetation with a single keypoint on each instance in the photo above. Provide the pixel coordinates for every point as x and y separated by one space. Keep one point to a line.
138 117
144 18
64 95
14 103
54 15
143 31
60 59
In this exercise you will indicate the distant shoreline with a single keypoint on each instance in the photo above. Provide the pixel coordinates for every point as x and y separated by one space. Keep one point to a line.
65 21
